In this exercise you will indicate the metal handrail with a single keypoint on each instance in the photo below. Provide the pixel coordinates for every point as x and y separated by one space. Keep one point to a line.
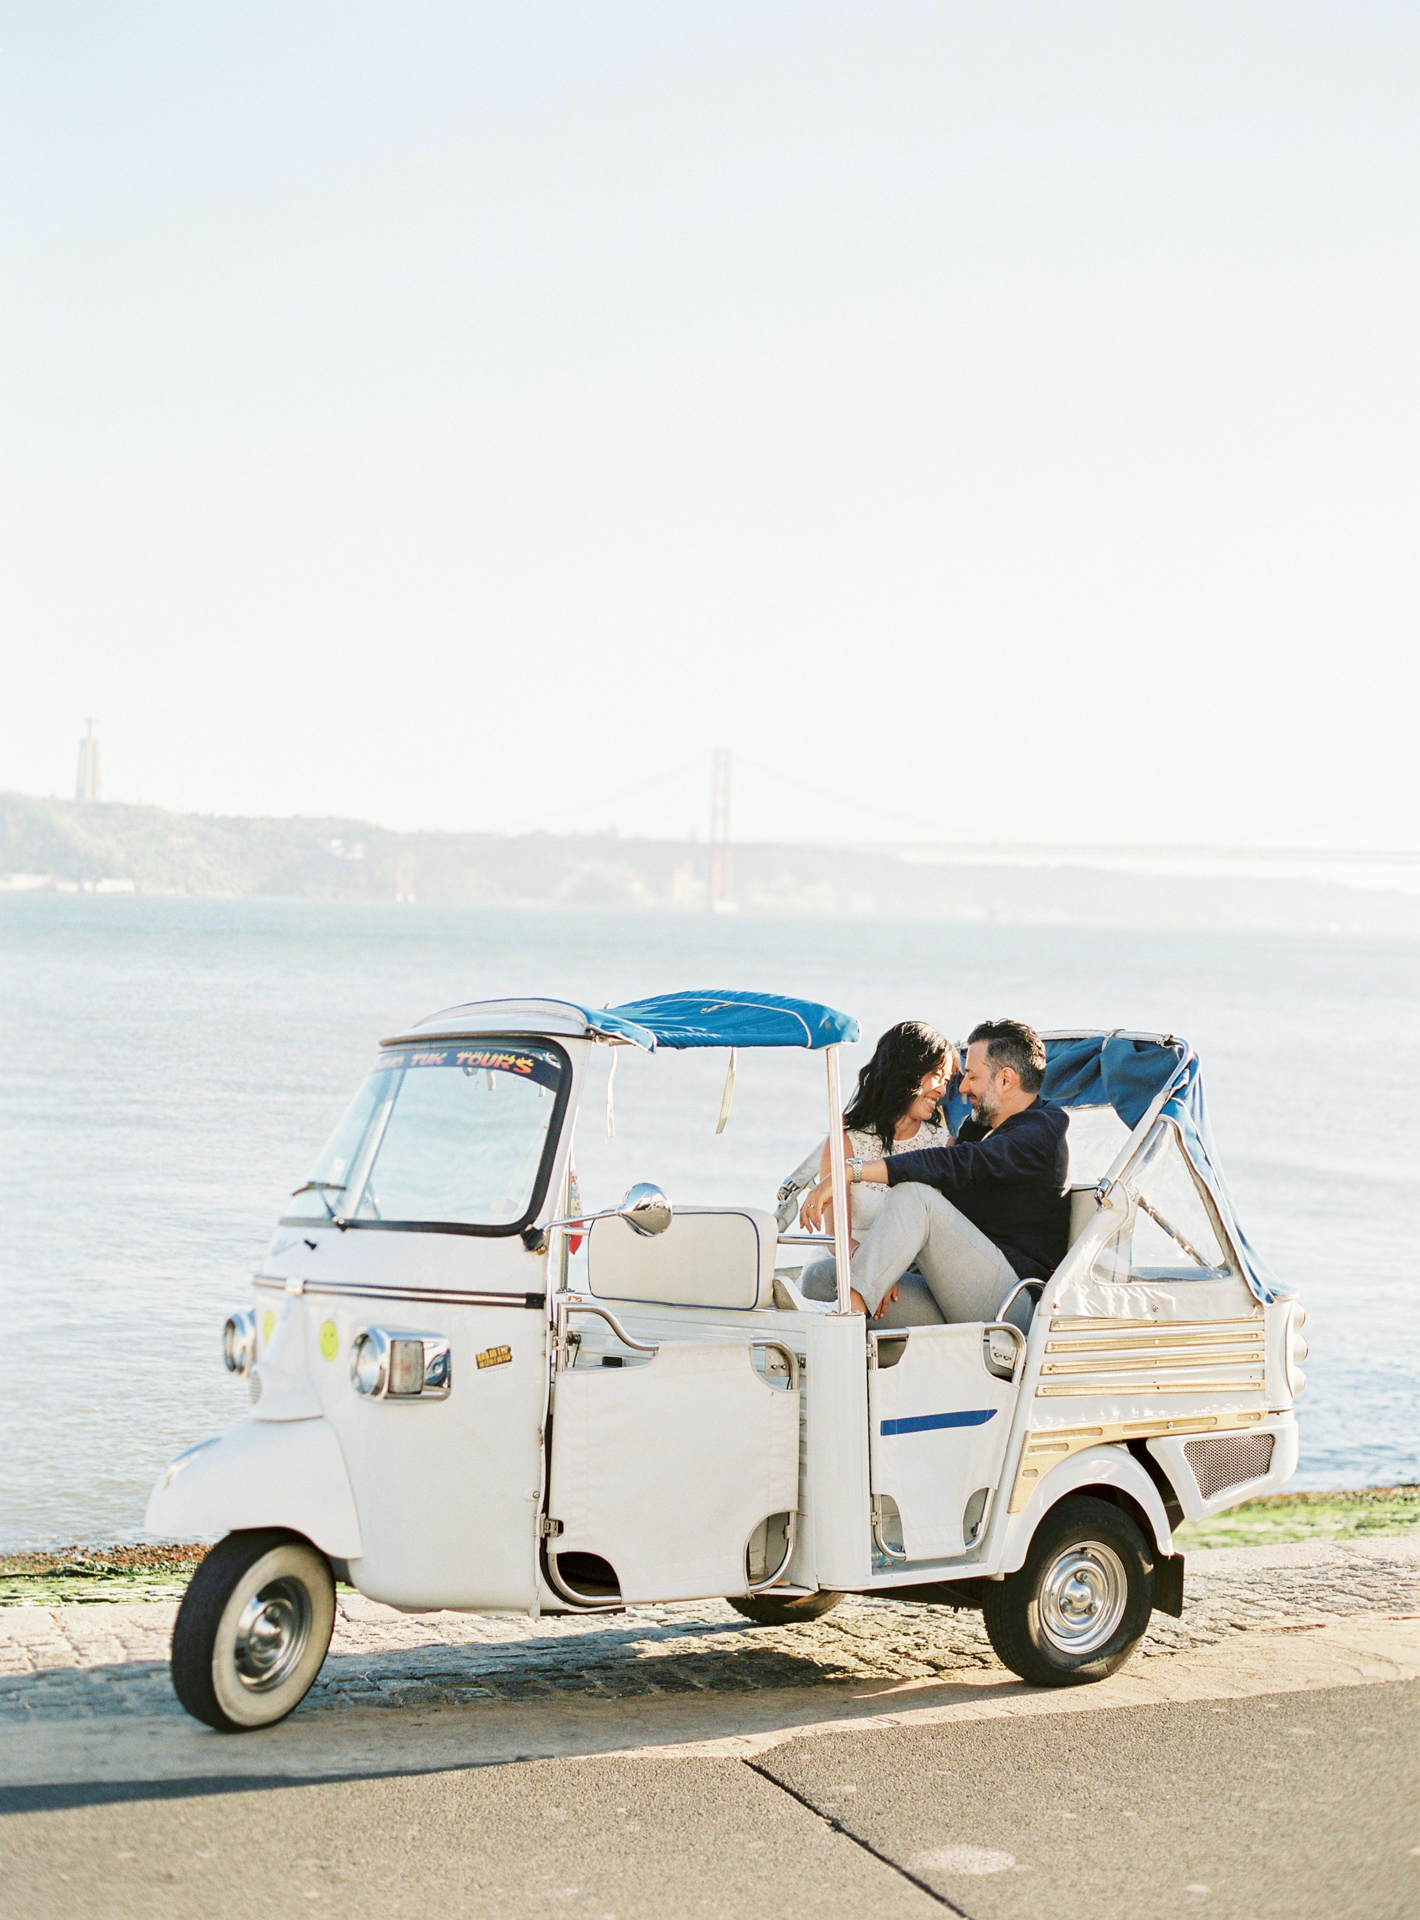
779 1346
790 1539
1020 1287
566 1307
806 1240
791 1531
884 1548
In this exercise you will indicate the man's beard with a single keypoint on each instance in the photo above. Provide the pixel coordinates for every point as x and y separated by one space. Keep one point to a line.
984 1111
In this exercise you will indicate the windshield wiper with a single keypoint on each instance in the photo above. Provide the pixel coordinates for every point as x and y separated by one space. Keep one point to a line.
322 1187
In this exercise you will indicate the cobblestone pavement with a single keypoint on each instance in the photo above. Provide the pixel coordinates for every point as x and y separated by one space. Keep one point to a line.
100 1662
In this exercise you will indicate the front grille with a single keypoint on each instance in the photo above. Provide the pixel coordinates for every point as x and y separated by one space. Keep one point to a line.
1228 1461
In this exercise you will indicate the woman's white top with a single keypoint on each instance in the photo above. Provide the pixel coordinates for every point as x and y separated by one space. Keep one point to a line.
866 1197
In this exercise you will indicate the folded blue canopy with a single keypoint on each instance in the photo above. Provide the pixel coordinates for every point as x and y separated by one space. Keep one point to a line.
1123 1071
731 1018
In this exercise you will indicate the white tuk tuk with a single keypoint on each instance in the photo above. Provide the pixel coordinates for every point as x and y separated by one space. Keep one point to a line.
465 1394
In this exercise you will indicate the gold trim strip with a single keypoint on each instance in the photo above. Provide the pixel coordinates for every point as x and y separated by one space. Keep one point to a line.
1139 1429
1047 1447
1139 1323
1104 1390
1160 1362
1150 1343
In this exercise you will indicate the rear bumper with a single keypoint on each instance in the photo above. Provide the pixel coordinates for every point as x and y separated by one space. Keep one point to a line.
1210 1472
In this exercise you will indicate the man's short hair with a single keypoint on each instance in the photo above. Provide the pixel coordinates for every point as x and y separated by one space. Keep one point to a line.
1011 1043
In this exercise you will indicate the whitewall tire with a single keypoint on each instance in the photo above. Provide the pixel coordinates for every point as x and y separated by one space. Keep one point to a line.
253 1629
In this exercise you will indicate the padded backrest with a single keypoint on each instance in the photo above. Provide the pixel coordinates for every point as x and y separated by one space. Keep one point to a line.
707 1257
1083 1208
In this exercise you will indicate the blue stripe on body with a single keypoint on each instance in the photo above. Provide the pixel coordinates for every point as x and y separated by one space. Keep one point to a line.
925 1422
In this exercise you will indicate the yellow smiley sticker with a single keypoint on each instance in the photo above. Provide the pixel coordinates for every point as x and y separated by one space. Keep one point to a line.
329 1340
268 1327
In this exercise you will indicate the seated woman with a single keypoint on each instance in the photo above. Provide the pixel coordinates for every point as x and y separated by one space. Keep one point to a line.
896 1108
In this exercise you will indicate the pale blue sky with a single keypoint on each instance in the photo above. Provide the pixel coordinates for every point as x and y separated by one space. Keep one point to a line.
447 414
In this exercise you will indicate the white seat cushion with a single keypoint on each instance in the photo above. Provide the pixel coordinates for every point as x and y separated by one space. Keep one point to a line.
707 1257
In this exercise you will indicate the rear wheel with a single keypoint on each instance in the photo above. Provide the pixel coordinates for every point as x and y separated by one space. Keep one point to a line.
1081 1603
768 1611
252 1630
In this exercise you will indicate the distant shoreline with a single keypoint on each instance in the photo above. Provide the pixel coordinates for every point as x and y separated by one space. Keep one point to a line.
101 848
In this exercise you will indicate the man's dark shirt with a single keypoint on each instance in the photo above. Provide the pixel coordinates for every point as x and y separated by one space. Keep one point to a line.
1009 1181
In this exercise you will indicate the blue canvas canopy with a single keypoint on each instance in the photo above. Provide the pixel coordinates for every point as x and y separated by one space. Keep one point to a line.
732 1018
1129 1072
1124 1071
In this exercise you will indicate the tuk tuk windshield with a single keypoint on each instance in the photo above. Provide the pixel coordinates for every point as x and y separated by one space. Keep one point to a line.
451 1135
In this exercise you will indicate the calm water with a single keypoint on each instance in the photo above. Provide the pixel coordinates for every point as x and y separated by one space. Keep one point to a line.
171 1066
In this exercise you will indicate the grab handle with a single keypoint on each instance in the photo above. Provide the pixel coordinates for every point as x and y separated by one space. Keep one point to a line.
996 1363
567 1307
791 1358
1021 1286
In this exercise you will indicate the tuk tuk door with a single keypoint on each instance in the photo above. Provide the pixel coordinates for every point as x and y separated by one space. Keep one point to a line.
939 1421
667 1458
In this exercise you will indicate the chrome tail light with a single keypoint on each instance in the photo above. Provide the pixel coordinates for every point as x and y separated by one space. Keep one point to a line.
1295 1349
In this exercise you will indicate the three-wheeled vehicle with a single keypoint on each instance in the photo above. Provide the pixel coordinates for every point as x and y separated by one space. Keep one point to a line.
466 1394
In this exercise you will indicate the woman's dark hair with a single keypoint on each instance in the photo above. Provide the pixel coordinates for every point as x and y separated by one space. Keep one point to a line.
887 1086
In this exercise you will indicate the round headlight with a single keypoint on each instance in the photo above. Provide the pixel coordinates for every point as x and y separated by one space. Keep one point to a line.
239 1343
369 1362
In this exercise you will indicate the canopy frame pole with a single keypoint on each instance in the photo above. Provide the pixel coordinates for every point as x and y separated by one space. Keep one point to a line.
838 1177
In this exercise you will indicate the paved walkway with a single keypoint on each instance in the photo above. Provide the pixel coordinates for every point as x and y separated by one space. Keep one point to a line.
106 1661
679 1760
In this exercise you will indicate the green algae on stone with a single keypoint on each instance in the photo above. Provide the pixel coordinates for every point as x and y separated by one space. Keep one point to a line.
1282 1517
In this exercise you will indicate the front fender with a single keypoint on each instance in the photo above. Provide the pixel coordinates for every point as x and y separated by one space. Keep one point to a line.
1108 1466
261 1474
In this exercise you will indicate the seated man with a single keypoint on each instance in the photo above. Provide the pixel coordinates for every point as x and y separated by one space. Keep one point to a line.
974 1217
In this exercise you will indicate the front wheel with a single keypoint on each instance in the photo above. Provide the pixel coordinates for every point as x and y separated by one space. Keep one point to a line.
1081 1603
252 1630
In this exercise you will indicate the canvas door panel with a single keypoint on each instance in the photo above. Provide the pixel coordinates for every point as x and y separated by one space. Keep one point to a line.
939 1423
665 1469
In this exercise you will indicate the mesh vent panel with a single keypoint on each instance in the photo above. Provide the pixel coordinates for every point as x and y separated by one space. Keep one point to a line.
1228 1461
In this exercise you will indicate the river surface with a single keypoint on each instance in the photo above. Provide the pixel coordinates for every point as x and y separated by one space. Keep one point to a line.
169 1068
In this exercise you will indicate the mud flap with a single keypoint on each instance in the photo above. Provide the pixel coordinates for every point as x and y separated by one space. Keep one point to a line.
1168 1585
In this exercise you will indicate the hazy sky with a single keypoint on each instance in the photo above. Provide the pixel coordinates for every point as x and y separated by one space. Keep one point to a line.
454 415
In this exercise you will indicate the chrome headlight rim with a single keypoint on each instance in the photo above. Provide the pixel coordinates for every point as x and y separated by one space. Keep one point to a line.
239 1342
379 1372
370 1362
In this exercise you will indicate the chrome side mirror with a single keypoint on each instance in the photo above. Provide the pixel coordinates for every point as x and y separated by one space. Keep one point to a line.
645 1209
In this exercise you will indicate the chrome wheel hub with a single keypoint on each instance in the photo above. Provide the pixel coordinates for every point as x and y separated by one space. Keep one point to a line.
272 1632
1083 1594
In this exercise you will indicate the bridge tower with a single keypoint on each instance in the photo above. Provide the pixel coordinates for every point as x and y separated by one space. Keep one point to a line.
721 885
